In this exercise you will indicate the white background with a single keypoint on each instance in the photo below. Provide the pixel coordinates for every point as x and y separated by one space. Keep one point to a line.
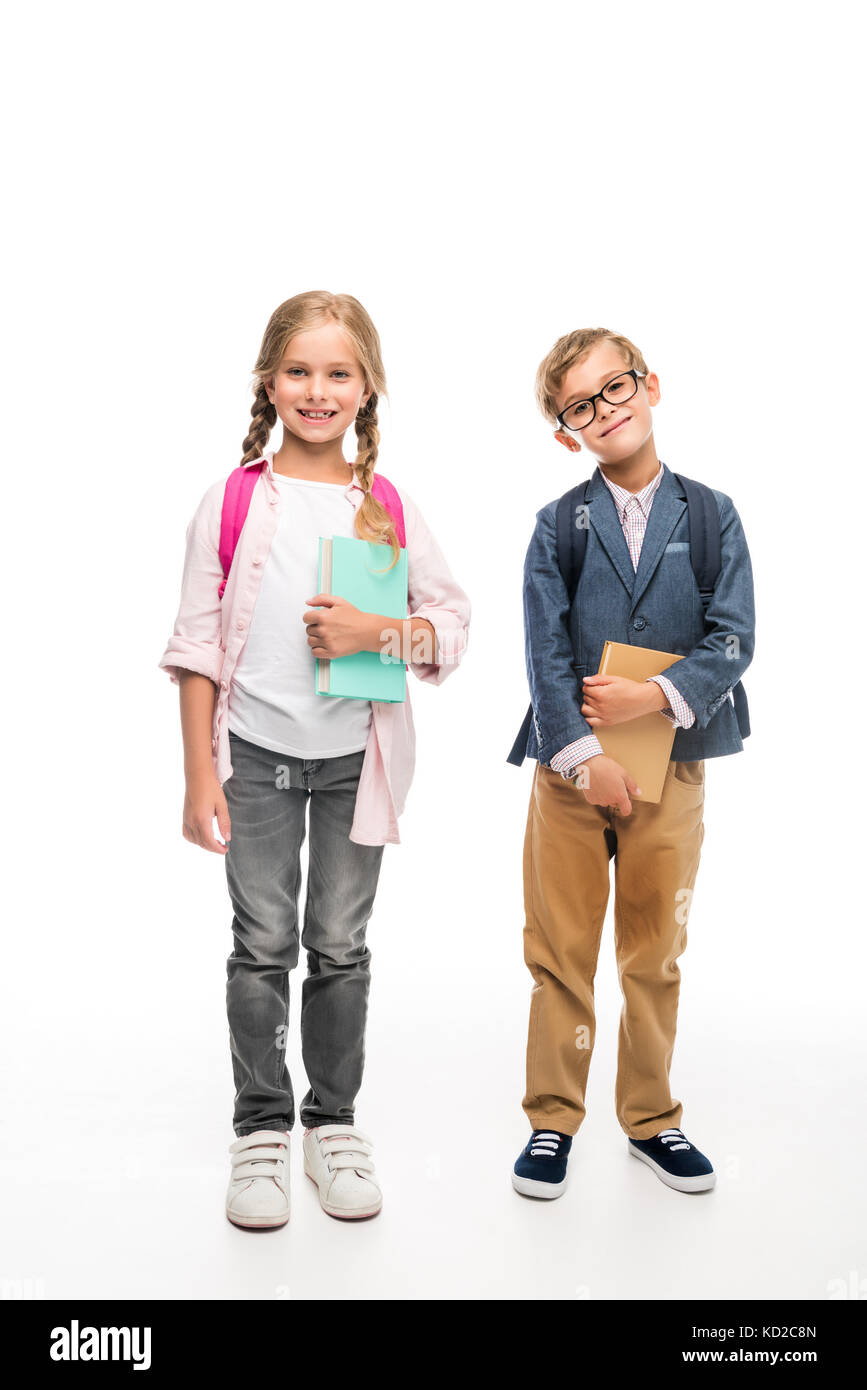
484 178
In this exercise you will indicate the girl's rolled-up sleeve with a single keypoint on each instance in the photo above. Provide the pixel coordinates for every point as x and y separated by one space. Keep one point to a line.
196 642
434 594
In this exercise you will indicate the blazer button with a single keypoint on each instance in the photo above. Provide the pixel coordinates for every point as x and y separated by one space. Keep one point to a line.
639 623
240 624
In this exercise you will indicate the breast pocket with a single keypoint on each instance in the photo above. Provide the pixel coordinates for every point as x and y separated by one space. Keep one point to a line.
679 593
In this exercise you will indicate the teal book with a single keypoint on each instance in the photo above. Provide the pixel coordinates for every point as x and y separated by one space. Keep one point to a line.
353 569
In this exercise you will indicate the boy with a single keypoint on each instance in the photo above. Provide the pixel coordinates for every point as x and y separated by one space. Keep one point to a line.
637 586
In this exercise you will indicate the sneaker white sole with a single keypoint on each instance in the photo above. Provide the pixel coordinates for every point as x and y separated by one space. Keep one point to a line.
340 1212
259 1223
531 1187
702 1182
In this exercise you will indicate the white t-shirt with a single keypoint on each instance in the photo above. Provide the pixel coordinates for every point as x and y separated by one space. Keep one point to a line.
272 696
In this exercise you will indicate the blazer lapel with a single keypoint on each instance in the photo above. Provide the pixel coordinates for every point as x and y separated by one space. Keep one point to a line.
602 515
668 507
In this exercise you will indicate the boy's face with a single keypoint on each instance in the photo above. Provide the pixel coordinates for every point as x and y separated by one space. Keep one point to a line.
632 418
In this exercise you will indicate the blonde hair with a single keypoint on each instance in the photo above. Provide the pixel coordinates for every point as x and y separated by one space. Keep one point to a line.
568 350
310 310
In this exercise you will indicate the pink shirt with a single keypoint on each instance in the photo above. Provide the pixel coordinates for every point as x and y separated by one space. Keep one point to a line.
210 632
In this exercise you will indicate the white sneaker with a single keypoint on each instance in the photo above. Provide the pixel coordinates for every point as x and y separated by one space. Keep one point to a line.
337 1158
258 1192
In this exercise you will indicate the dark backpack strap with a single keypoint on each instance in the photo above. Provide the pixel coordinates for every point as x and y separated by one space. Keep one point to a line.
572 536
742 709
519 747
705 555
572 542
571 548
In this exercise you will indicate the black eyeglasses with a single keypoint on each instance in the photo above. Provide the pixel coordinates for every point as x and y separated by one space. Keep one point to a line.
582 413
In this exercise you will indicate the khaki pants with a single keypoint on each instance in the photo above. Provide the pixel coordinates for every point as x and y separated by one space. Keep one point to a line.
567 848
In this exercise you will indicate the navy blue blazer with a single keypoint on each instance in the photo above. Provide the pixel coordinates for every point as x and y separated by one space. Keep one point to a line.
658 605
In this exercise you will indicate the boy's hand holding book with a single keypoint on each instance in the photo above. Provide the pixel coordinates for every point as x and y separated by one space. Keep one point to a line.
605 783
615 699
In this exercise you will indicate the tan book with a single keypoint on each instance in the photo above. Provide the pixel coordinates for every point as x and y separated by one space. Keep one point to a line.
642 746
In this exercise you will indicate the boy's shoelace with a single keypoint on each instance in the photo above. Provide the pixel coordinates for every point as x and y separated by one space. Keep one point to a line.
546 1144
668 1136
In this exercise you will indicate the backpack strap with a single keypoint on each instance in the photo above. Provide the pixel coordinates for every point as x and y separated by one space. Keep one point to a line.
571 546
236 504
571 520
572 535
386 493
705 554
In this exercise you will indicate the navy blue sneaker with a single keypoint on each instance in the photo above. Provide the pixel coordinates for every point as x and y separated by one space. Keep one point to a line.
675 1161
540 1170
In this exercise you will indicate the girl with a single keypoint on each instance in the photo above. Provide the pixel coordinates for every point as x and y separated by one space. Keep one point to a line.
259 743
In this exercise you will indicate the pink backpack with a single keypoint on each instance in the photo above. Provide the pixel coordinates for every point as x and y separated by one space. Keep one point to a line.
236 504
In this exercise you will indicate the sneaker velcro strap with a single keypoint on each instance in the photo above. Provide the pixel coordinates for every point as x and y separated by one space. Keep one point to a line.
345 1132
254 1170
250 1141
341 1146
350 1159
251 1155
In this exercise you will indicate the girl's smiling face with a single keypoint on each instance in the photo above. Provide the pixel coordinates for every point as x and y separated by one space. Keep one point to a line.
319 387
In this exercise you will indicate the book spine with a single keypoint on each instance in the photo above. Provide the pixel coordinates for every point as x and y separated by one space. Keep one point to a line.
323 664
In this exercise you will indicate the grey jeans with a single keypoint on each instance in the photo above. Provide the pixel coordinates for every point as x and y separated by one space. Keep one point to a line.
267 796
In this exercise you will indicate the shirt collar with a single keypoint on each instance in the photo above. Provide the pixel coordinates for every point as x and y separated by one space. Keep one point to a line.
622 495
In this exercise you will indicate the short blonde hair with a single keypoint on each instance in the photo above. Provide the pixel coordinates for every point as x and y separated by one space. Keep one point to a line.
568 350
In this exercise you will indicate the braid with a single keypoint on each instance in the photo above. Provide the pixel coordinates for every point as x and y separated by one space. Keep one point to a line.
373 522
264 419
367 430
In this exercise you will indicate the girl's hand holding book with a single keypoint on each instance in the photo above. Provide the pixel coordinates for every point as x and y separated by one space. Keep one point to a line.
337 627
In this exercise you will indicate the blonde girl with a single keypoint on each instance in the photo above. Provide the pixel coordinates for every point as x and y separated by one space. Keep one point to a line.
262 750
